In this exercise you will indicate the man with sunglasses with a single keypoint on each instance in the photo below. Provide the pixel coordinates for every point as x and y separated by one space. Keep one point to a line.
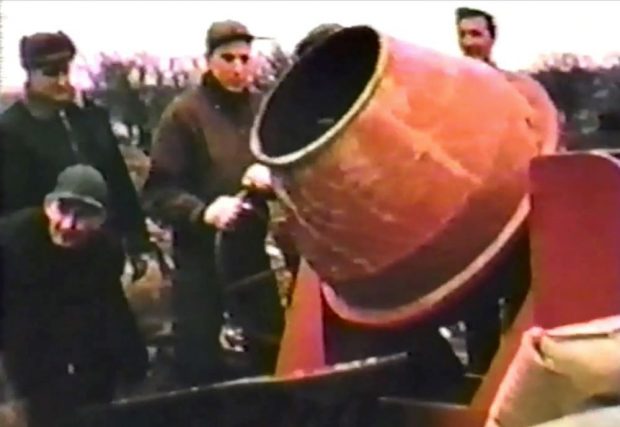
45 131
200 154
69 335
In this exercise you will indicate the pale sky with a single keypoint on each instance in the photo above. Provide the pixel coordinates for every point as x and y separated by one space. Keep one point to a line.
527 29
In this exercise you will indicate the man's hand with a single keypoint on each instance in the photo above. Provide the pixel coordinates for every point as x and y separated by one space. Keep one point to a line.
257 177
224 211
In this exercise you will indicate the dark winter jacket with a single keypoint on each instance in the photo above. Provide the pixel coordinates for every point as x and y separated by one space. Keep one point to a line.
63 310
200 151
35 151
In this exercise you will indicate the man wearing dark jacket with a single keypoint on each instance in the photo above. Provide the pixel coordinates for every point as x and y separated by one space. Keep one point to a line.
45 132
476 32
200 155
69 336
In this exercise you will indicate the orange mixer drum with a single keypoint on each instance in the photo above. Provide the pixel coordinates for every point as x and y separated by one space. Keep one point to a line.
403 171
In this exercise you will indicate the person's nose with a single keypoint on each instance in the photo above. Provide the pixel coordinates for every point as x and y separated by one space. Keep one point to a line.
469 39
238 66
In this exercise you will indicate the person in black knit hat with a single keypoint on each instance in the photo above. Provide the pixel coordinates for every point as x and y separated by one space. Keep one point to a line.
69 336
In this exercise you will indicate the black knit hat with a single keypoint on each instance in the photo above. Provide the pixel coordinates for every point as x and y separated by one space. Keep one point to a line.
45 48
83 183
315 37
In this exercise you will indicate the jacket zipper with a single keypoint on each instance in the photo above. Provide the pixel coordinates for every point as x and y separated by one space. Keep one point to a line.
71 134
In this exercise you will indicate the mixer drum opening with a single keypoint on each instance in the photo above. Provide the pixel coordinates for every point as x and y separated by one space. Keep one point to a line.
318 91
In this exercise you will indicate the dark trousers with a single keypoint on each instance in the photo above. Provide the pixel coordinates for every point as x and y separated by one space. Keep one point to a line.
485 320
483 332
197 305
256 306
199 300
258 311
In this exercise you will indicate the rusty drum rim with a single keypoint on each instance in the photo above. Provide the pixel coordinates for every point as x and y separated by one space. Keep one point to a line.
312 148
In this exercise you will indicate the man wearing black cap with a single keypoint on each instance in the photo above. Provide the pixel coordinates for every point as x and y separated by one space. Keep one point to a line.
68 333
46 131
200 154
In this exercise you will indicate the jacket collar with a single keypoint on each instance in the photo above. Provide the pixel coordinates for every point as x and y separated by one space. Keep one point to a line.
213 87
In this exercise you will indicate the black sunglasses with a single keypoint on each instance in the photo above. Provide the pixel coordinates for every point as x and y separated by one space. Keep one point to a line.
55 70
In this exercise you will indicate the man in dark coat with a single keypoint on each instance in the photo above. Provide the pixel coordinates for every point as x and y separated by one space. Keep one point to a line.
476 31
69 336
200 154
46 131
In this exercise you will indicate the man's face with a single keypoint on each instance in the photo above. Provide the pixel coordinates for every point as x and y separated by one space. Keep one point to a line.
51 82
73 222
231 64
475 39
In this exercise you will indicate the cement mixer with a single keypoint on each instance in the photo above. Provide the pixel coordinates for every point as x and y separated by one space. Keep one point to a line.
404 171
408 177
